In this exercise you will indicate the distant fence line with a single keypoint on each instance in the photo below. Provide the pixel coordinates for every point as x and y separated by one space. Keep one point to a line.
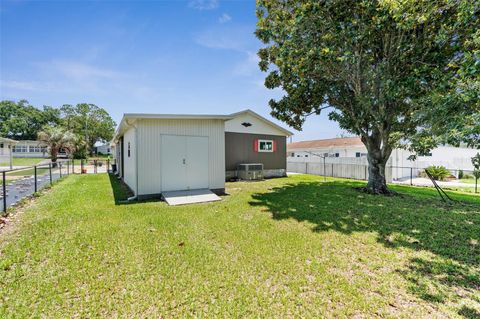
352 171
356 168
19 183
360 171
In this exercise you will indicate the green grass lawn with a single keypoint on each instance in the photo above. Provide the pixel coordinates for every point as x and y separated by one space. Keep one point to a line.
17 161
467 180
289 247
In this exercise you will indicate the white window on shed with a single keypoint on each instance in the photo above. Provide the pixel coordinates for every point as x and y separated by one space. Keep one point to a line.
265 145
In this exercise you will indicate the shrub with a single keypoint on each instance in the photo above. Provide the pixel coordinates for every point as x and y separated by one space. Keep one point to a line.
467 176
460 174
438 173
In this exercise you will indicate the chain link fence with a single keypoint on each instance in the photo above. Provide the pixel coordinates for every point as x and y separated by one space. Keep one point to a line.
17 184
457 178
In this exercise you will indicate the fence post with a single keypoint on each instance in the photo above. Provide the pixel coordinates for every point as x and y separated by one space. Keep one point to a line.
50 172
108 164
73 166
95 166
411 176
306 167
68 167
366 172
81 166
332 169
60 168
35 175
324 170
4 187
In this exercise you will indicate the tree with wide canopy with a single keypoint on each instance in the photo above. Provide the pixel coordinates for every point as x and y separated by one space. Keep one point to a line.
385 68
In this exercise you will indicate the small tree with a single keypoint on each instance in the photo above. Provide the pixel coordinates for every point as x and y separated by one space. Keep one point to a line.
438 173
90 122
57 138
476 169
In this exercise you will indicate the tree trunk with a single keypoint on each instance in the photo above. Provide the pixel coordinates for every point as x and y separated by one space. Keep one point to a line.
378 154
53 156
377 182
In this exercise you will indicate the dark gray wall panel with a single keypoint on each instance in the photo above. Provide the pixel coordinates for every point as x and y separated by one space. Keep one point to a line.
239 149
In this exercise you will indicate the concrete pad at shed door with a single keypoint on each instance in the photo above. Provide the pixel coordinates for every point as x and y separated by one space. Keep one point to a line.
194 196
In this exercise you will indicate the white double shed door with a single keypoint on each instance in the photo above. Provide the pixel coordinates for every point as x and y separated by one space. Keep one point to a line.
184 162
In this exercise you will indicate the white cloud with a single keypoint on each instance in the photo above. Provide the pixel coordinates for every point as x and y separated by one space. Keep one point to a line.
249 66
224 18
228 38
23 85
78 71
203 4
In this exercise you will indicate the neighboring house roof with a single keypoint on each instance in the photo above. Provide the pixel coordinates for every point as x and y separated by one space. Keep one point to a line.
30 142
326 143
7 140
258 116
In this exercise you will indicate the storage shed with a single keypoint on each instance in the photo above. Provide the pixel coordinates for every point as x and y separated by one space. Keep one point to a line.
156 153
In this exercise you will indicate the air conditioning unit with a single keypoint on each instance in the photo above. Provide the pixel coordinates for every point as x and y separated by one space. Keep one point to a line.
250 172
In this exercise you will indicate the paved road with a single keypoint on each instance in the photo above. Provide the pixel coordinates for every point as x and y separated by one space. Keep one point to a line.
20 188
421 181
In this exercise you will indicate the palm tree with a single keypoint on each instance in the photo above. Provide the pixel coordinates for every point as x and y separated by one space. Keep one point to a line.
57 138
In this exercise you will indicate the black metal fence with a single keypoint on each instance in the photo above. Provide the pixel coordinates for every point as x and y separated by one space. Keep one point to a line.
19 183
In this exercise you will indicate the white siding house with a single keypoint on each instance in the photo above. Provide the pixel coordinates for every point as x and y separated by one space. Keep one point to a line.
104 149
6 154
28 148
351 150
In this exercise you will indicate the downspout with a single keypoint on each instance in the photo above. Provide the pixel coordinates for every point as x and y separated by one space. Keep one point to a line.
134 197
136 161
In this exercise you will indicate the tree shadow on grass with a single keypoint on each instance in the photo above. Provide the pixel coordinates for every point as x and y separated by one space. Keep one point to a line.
451 232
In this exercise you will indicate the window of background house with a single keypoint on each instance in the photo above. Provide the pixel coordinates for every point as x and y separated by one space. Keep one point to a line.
1 145
306 155
20 149
357 154
337 154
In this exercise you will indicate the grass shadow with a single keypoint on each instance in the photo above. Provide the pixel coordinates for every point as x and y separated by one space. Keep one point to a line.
450 232
121 192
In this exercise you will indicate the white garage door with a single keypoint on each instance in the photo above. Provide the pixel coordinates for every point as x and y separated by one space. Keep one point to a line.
184 162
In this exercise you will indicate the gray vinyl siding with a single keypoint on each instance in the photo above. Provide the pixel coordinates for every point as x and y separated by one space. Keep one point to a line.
149 147
239 148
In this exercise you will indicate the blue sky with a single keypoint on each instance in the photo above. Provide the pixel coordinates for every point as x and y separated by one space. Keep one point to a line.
195 56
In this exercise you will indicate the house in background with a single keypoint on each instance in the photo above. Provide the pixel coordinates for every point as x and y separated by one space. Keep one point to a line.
351 150
6 154
157 153
332 147
28 148
104 149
